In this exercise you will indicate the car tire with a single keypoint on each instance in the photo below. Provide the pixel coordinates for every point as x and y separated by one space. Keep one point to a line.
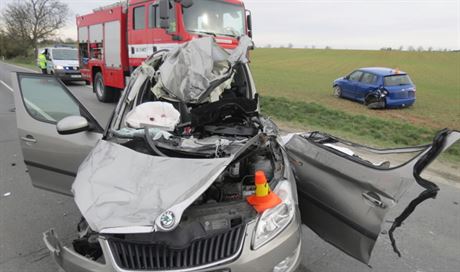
337 92
381 105
103 93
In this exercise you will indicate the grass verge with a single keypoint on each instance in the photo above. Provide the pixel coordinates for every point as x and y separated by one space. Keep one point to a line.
378 131
26 62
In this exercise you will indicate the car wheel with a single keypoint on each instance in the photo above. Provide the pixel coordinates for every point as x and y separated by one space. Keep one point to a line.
376 104
103 93
337 91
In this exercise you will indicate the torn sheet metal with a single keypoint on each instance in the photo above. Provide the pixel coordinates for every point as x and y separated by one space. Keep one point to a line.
344 198
118 187
191 71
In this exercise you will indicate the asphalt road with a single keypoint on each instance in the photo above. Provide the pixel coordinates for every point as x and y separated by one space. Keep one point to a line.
429 240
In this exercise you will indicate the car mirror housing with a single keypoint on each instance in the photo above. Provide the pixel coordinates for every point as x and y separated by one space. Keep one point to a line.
72 125
164 14
186 3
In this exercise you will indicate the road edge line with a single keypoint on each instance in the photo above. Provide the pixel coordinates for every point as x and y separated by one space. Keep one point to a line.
7 86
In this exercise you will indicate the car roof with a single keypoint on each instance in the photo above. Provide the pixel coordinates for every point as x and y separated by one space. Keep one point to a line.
382 71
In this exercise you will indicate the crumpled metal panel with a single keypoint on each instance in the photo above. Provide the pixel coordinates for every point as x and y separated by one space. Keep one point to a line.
343 200
191 69
118 187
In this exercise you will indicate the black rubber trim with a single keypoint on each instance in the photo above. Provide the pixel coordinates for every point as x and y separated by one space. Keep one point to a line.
49 168
431 189
337 215
96 127
73 131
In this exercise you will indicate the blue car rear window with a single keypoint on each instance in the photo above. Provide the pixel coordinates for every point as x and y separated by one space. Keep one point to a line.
396 80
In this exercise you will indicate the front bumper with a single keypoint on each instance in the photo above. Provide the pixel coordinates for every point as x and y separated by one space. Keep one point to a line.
287 243
68 75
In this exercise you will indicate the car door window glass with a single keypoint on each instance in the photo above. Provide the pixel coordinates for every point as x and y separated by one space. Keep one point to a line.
139 18
46 99
154 16
355 76
368 78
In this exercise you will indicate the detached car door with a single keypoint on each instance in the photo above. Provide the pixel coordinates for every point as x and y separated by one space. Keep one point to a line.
344 197
52 159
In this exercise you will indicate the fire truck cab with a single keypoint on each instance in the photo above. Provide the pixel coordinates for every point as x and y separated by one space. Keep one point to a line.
115 39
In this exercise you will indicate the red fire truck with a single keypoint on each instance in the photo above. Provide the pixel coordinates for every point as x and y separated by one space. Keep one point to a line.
115 39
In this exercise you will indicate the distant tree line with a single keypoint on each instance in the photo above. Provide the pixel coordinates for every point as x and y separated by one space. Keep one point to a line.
400 48
418 49
28 24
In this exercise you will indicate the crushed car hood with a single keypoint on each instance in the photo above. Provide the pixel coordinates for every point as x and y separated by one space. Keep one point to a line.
117 187
191 71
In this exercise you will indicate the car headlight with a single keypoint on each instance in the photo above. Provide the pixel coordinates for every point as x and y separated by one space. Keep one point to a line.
58 67
276 219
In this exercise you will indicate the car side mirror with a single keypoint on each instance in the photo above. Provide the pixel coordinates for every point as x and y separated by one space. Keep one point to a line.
164 14
249 22
72 125
347 77
186 3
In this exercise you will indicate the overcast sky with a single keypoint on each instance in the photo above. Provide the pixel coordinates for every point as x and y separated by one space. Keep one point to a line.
353 24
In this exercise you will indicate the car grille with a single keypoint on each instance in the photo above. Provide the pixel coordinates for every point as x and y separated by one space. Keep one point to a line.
70 68
141 256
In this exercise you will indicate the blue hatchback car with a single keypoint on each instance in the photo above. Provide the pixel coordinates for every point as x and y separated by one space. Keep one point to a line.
377 87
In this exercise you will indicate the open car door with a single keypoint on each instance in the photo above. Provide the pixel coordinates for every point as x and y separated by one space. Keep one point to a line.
52 159
344 196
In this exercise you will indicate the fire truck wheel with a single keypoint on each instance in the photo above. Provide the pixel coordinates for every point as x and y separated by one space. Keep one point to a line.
103 93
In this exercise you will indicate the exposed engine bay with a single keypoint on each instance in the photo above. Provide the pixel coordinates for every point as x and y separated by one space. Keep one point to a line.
222 121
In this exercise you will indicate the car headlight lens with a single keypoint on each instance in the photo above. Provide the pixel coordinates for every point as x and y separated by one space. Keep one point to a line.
276 219
58 67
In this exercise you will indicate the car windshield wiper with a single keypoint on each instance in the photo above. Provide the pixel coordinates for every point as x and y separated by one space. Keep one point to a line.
151 143
226 35
203 32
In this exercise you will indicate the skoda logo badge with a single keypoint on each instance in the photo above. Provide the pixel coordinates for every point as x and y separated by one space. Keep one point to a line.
167 219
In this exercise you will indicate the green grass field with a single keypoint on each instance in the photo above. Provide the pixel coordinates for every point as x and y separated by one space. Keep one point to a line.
296 88
307 75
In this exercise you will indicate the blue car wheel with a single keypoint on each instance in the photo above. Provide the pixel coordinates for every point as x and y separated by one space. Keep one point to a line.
337 91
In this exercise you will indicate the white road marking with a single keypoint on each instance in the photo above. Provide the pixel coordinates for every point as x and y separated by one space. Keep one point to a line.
7 86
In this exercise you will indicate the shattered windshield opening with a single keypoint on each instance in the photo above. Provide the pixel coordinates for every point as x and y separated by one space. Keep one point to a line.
208 111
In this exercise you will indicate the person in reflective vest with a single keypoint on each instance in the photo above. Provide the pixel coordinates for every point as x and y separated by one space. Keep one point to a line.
42 61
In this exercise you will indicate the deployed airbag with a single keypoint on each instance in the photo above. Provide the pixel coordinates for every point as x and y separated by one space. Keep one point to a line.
160 115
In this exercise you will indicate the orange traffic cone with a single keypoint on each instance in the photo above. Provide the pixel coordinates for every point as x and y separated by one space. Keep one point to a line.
263 198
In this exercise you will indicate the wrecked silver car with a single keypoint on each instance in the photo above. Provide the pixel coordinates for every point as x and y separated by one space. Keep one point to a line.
189 176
